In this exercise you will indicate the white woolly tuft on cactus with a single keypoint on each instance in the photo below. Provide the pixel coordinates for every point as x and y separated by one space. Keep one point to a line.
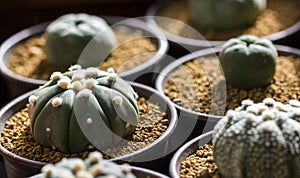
95 156
64 82
56 102
32 99
118 100
85 93
56 76
294 103
112 76
74 67
91 72
77 77
90 83
111 70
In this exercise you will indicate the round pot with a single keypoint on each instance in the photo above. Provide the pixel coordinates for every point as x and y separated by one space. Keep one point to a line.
180 46
151 156
138 171
185 151
200 123
144 73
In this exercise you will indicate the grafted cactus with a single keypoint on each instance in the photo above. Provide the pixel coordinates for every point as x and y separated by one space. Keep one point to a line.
259 140
93 166
83 107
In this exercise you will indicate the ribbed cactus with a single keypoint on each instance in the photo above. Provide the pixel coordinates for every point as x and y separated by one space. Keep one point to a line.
259 140
82 106
69 35
93 166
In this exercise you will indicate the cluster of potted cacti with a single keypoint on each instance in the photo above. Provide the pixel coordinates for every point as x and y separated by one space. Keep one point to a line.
84 109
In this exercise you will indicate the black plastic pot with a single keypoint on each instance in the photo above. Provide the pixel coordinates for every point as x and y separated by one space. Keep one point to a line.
180 46
152 156
185 151
137 171
144 73
190 123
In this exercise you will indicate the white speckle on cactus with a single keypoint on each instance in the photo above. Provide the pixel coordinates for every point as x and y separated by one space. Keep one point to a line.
95 156
77 77
125 168
56 102
91 72
47 169
111 70
296 112
247 102
85 93
96 170
294 103
90 83
250 118
112 76
269 101
127 125
117 100
84 174
48 129
56 76
78 165
230 114
282 116
279 106
268 115
252 109
32 99
75 67
64 82
77 85
89 120
261 108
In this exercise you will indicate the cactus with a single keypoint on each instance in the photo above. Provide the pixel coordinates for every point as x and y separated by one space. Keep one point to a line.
68 36
225 14
248 61
83 106
259 140
93 166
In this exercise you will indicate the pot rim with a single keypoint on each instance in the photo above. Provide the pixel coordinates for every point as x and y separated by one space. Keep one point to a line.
157 6
162 77
185 150
12 41
172 124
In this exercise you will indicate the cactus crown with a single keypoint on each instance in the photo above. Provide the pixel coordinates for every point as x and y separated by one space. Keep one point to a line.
83 107
93 166
261 139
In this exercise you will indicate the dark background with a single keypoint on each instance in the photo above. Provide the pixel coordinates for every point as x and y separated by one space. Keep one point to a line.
16 15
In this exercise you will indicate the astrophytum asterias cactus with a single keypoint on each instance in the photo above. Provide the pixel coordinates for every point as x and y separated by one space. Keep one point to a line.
259 140
83 107
93 166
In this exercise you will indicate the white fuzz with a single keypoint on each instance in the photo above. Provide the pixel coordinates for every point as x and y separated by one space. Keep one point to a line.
64 82
47 169
247 102
77 85
90 83
269 101
77 77
135 95
112 76
89 120
296 112
230 114
95 156
267 115
84 174
91 147
111 70
56 102
118 100
126 168
32 99
56 76
85 93
294 103
127 125
97 169
91 72
48 129
75 67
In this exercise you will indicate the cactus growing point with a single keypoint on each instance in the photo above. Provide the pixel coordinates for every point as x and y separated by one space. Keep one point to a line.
83 107
259 140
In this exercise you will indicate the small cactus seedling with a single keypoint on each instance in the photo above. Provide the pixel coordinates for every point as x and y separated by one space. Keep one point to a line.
68 36
83 107
93 166
259 140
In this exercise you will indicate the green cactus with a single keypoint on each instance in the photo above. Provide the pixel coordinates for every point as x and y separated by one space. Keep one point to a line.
248 61
259 140
69 35
83 106
93 166
225 14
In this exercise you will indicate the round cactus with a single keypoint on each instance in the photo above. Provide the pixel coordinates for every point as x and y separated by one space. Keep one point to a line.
83 107
259 140
93 166
248 61
70 34
225 14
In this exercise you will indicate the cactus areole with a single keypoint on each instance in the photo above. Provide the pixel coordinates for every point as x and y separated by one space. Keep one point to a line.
83 108
259 140
225 14
248 61
68 36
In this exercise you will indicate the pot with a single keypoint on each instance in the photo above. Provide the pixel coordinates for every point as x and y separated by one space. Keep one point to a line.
186 150
144 73
180 46
152 156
